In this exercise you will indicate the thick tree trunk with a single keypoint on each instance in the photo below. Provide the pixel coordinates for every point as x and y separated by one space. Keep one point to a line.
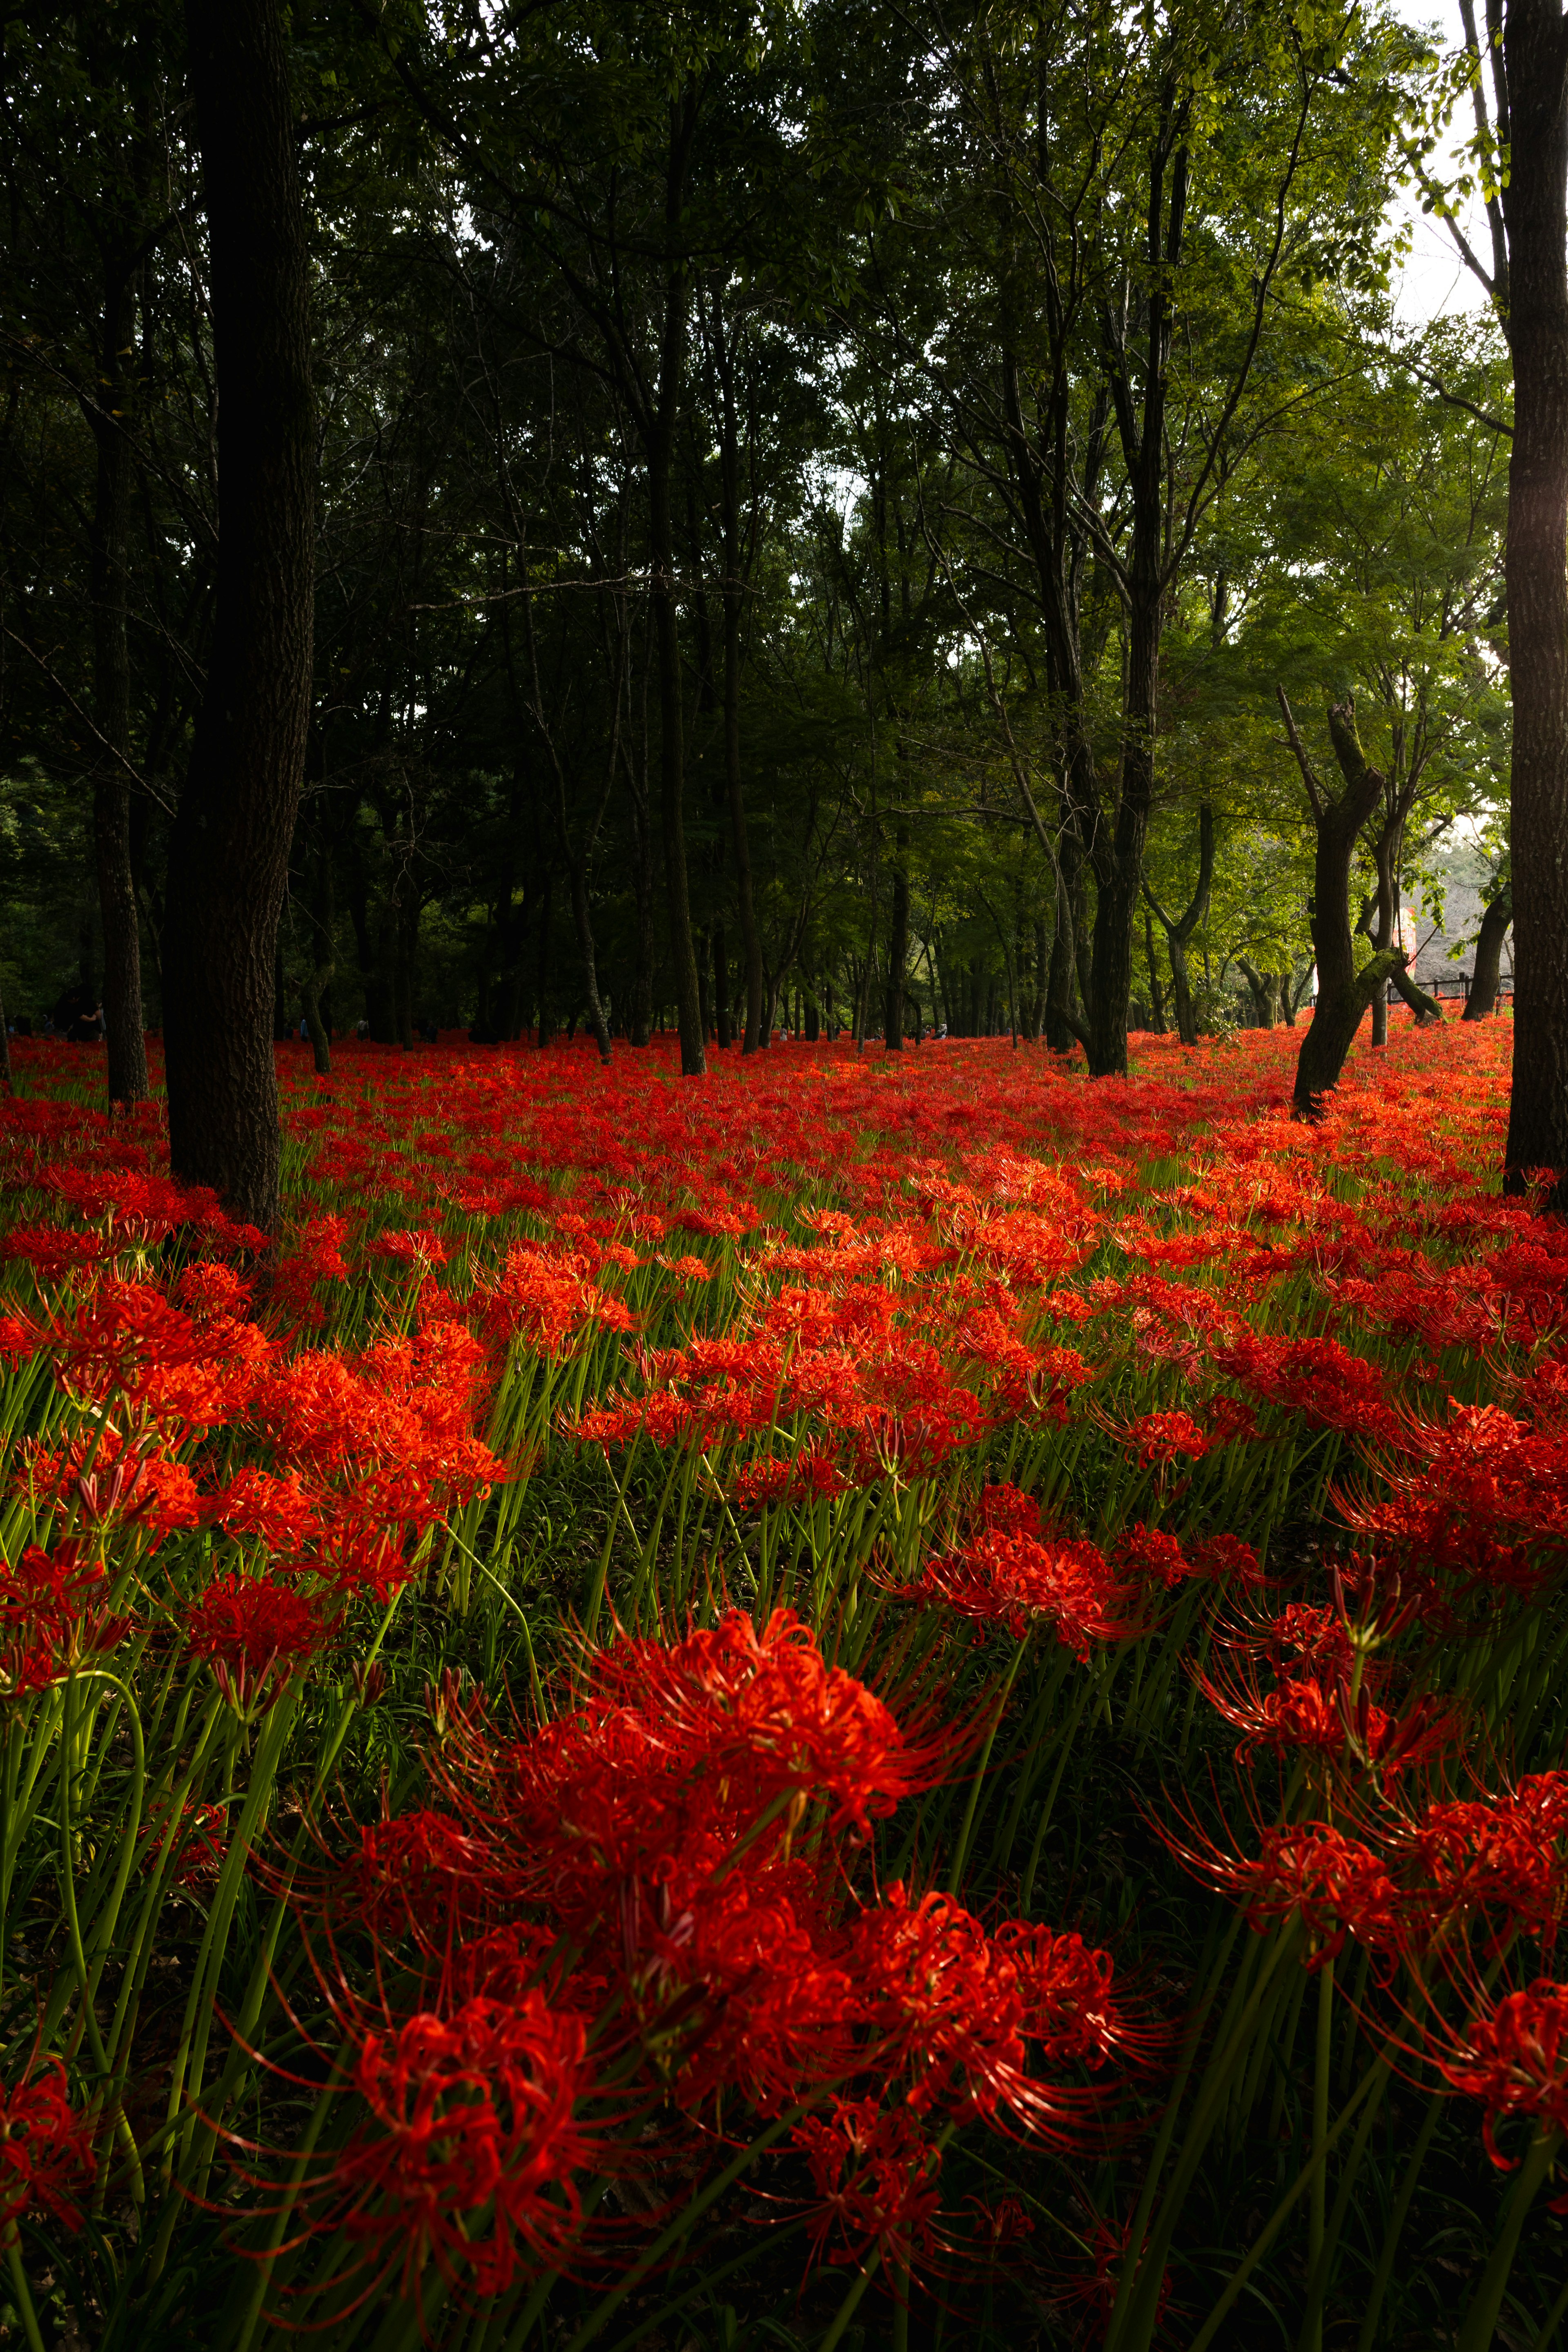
660 447
1535 207
733 594
117 905
1482 998
229 857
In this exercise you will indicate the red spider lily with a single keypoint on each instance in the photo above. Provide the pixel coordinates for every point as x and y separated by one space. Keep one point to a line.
1152 1552
1338 1886
53 1615
1012 1578
469 2151
809 1476
251 1626
1511 2055
1161 1438
877 2182
45 2147
769 1706
1506 1853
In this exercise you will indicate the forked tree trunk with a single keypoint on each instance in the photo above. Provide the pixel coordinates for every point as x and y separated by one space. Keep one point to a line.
228 858
1535 208
1482 998
1344 993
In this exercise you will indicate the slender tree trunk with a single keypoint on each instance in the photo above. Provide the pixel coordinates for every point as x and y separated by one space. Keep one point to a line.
1343 993
1482 998
897 942
229 857
117 909
1535 207
720 983
1260 985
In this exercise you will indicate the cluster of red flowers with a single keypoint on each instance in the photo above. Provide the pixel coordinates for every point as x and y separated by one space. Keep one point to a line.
675 1872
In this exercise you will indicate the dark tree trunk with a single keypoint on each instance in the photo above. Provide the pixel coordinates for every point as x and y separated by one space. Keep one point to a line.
1535 136
897 943
661 445
228 858
1343 993
1179 929
112 700
1156 992
1262 986
1482 998
720 983
733 595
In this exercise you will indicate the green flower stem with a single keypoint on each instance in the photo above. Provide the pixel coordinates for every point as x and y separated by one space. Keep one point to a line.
1317 2209
22 2291
961 1850
1481 2319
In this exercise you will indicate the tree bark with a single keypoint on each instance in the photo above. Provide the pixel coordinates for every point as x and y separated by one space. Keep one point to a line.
1482 998
732 603
229 857
1343 993
1533 132
1179 929
1262 986
118 910
897 943
660 450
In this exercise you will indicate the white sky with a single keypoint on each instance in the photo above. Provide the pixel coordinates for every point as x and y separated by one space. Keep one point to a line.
1436 282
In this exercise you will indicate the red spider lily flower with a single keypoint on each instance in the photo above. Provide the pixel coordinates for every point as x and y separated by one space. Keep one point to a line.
1153 1553
1338 1887
809 1476
470 2147
52 1615
209 1290
944 2003
1161 1438
769 1704
53 1251
1508 1854
877 2182
418 1250
1069 2008
1513 2057
254 1623
45 2147
1002 1579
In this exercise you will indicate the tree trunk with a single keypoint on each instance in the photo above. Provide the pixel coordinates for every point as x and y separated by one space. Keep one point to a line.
1260 985
661 552
897 943
229 857
111 700
1482 998
722 1028
733 593
1535 207
1426 1008
1343 993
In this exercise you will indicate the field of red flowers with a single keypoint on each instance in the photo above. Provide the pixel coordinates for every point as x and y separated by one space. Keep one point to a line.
879 1700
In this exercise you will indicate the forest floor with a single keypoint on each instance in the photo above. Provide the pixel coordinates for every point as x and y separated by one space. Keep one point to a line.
880 1697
